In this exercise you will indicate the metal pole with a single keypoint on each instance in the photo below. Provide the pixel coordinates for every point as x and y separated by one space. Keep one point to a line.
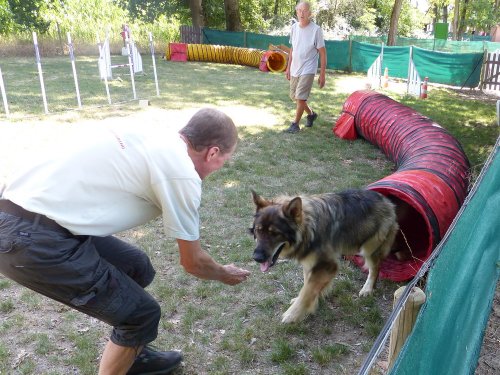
72 58
130 64
4 95
101 57
40 74
152 48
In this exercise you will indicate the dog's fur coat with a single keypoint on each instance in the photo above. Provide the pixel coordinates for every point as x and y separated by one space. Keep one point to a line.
316 231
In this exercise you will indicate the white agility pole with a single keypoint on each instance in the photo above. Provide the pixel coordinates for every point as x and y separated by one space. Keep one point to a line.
130 64
4 95
40 74
101 63
72 58
152 48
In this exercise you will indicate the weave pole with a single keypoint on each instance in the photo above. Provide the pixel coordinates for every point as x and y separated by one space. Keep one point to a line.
152 48
40 73
130 63
72 58
4 95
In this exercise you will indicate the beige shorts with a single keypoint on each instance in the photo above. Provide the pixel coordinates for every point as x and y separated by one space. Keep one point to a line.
300 87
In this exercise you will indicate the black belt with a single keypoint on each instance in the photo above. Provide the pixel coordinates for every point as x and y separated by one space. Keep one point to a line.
16 210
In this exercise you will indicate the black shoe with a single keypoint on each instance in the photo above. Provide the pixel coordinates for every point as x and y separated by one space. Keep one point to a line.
310 119
294 128
151 362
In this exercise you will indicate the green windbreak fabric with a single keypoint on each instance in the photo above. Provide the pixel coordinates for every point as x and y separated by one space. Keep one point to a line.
453 46
449 68
448 334
457 69
337 55
242 39
396 61
261 41
363 56
224 38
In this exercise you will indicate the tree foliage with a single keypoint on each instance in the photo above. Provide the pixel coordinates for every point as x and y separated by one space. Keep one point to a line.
28 15
86 17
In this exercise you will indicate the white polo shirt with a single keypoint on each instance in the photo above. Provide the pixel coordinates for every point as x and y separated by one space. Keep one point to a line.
109 180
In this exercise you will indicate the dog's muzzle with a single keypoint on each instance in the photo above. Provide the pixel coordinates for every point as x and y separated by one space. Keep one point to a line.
260 256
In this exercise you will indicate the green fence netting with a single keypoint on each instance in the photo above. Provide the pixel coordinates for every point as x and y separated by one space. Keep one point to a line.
456 69
338 55
479 44
449 330
242 39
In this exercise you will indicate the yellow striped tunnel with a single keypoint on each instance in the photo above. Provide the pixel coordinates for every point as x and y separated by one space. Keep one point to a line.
274 61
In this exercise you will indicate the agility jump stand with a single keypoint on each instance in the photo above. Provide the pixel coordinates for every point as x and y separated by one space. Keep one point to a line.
414 86
4 95
374 73
414 82
105 67
103 51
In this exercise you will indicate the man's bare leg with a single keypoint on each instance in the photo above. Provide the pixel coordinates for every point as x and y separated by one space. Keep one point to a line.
116 359
302 107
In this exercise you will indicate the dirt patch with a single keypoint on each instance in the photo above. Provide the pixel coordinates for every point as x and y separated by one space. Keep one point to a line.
489 359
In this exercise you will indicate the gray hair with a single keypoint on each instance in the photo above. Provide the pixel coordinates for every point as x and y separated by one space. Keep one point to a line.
210 127
306 3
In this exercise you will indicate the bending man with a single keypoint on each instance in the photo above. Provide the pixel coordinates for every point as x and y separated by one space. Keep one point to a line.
58 217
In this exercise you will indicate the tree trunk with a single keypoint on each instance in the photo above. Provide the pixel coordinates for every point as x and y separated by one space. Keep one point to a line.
276 7
393 28
463 15
196 12
233 20
456 15
445 13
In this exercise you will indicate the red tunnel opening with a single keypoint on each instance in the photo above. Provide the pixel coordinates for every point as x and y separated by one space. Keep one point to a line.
430 182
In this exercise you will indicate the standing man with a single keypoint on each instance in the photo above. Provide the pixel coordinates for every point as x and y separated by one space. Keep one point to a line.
306 39
58 216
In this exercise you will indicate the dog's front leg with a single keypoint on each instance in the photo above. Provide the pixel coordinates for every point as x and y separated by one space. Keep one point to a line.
307 300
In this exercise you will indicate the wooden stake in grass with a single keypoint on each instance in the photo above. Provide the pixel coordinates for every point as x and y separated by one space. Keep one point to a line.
405 321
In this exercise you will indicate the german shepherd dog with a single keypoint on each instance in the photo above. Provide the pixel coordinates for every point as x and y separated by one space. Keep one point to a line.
316 231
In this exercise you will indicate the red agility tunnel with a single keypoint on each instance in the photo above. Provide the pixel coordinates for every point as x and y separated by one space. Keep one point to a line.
431 180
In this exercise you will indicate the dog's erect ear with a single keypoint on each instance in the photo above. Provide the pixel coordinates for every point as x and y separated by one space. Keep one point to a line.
293 209
259 201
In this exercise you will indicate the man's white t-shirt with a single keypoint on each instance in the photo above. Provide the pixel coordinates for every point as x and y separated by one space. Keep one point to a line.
109 180
305 42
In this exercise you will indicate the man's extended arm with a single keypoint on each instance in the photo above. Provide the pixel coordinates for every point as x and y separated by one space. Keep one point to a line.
199 263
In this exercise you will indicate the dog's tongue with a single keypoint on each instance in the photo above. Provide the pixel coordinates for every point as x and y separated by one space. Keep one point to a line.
264 267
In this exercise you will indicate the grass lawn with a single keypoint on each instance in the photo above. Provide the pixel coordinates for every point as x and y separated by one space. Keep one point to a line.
220 329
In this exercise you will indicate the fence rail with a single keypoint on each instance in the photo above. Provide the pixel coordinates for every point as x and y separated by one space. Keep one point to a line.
491 71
